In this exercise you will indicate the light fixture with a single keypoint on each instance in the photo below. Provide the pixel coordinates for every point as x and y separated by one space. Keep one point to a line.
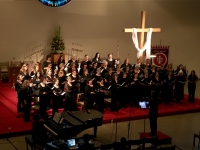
55 3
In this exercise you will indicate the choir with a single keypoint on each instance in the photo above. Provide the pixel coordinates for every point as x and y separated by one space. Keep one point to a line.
57 84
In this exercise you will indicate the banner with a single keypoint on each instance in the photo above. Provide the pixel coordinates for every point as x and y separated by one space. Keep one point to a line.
161 53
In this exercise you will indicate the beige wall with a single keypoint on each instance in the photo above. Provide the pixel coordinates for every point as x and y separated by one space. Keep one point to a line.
98 25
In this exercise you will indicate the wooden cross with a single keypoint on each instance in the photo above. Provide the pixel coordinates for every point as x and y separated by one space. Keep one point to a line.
142 30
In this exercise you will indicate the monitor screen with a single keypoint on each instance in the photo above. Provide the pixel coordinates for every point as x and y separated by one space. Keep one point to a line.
144 104
71 142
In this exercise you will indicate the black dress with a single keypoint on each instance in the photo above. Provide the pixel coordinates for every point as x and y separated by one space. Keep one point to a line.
70 97
56 99
100 97
115 95
135 96
179 88
89 97
44 96
167 91
18 89
27 99
191 87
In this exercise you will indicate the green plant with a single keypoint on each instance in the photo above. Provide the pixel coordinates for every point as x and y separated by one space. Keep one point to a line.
57 43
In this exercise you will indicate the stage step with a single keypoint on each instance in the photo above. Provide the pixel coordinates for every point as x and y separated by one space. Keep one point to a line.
161 140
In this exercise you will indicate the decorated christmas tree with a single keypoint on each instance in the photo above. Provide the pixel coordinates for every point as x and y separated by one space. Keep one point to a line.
57 44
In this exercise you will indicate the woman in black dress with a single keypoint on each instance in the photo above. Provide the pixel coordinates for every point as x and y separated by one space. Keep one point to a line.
61 59
192 80
27 99
180 76
70 103
61 78
90 95
18 89
57 98
44 96
135 90
115 93
167 91
100 95
126 64
46 64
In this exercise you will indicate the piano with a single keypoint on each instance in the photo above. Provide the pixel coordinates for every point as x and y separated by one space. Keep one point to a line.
74 123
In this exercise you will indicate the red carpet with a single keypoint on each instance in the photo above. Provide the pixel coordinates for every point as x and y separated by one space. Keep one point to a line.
10 124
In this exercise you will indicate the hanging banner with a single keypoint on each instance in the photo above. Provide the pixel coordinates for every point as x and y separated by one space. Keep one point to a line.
161 53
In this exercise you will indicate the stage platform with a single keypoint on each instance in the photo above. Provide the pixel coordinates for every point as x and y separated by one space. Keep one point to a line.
11 123
162 139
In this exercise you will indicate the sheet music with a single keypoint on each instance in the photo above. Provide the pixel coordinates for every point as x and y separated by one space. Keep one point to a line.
63 93
57 117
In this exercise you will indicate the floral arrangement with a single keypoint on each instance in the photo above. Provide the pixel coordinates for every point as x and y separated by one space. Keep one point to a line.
57 44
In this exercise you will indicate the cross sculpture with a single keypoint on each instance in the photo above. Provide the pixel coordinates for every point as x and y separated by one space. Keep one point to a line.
142 30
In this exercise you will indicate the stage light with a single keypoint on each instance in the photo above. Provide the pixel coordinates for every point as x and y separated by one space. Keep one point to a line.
55 3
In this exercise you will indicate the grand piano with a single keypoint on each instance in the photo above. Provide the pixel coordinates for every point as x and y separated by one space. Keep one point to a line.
71 124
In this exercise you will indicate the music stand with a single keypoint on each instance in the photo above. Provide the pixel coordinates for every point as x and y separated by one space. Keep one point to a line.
144 105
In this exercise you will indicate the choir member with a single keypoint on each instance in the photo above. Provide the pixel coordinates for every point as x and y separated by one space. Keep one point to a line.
115 65
138 71
126 64
104 68
83 68
138 63
27 99
46 63
97 58
61 79
170 68
162 72
35 70
128 71
83 80
192 80
100 95
18 89
167 91
90 95
152 72
70 95
98 76
73 66
135 96
145 86
180 76
57 97
72 60
108 78
115 93
110 60
61 59
24 72
147 63
93 69
157 83
44 96
36 83
62 68
146 69
49 78
125 91
86 60
119 72
75 82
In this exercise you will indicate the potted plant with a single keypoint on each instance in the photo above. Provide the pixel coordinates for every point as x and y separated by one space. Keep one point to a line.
57 44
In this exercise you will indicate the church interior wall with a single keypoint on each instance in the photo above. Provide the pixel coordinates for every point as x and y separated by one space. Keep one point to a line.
27 26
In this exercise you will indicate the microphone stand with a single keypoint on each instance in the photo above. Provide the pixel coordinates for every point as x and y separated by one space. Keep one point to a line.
130 120
116 124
